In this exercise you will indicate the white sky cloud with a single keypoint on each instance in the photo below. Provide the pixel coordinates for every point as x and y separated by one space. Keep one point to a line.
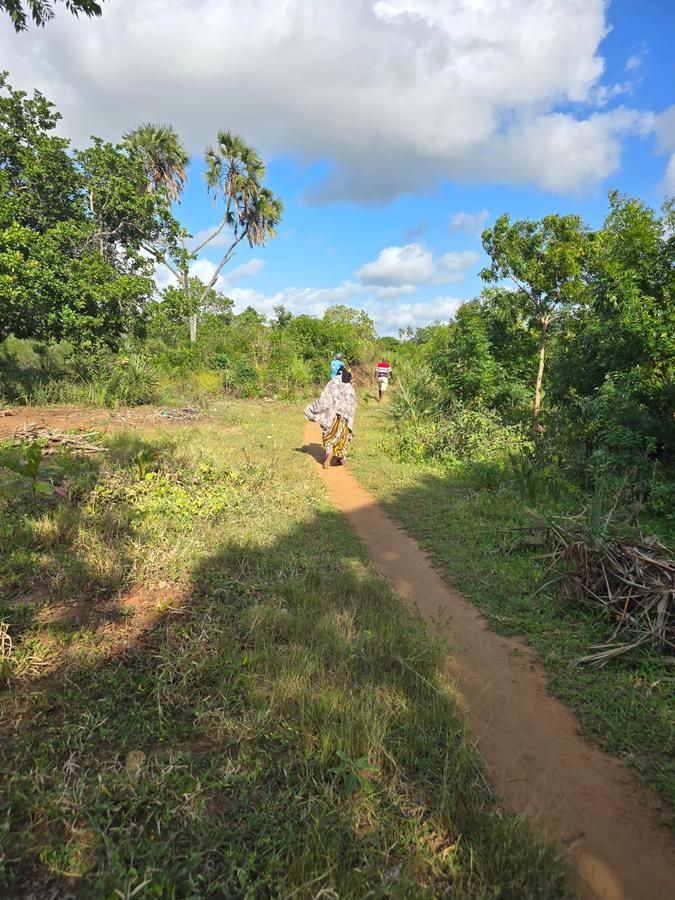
669 179
474 223
388 317
222 239
246 270
603 93
412 264
385 293
395 266
394 94
575 151
665 135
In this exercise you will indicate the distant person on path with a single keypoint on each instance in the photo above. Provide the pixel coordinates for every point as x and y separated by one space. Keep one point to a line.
334 411
383 374
336 364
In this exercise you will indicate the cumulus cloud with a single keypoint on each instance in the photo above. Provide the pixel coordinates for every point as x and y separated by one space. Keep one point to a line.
395 266
393 94
412 264
385 293
247 270
575 150
222 239
312 301
388 317
665 134
471 222
669 178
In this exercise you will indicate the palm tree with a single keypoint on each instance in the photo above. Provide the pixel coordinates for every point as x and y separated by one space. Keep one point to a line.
163 155
234 173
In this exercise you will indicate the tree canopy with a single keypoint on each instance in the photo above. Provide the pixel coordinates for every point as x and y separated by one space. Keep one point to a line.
74 226
42 11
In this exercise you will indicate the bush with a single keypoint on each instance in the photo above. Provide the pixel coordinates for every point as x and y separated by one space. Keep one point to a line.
132 381
426 430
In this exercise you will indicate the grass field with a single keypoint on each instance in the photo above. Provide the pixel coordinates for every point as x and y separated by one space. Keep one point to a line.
209 692
469 524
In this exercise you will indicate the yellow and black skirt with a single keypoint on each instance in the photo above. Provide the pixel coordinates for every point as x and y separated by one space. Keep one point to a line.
338 436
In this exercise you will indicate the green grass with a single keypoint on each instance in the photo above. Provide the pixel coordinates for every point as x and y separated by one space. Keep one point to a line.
467 519
296 734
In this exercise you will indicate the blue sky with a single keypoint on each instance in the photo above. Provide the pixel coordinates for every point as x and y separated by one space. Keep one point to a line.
393 129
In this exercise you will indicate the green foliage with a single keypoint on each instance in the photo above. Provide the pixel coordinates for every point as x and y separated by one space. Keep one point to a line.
27 462
602 306
429 427
131 381
162 155
352 773
74 231
41 11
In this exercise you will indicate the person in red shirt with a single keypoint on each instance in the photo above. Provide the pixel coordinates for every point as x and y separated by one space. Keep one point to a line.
382 373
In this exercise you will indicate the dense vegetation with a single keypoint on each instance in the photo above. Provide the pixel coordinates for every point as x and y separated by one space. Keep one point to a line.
582 349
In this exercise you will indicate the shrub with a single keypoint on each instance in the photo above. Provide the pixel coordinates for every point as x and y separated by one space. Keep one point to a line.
133 381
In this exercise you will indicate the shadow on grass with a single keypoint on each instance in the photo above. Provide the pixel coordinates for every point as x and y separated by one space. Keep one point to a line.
295 734
68 564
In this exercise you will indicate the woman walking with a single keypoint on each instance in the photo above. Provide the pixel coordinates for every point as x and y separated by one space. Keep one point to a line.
334 411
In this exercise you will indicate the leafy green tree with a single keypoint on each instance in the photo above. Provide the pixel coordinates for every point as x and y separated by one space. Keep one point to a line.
357 319
163 156
614 358
41 11
73 228
545 261
38 181
282 317
459 353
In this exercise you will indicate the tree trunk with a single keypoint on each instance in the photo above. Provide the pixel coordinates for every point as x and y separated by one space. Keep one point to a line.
193 328
545 322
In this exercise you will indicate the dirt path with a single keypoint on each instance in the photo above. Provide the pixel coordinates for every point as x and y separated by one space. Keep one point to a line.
535 757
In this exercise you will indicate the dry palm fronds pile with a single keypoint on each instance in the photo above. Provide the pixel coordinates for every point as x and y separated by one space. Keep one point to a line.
633 578
53 439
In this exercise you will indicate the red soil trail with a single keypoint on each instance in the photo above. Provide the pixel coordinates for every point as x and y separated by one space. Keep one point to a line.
536 760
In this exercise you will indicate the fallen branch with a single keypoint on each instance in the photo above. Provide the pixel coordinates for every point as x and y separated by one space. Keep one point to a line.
53 440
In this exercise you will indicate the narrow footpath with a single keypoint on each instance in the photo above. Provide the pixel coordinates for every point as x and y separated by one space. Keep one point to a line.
536 760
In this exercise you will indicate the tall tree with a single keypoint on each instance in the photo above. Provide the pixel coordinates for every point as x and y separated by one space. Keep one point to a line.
234 176
545 262
41 11
164 157
72 229
339 314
